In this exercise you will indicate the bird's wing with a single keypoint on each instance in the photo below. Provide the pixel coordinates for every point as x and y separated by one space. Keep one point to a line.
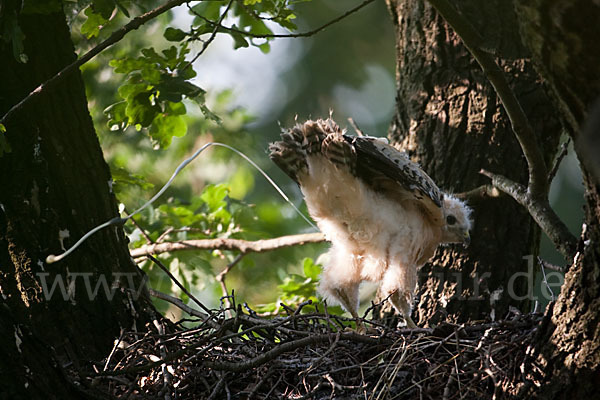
382 167
390 172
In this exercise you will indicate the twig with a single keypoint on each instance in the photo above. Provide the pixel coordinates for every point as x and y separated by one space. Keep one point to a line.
315 363
288 35
283 348
553 267
563 152
115 346
359 132
112 39
540 211
184 307
221 279
243 246
142 230
478 193
183 289
167 378
164 234
218 387
212 35
545 281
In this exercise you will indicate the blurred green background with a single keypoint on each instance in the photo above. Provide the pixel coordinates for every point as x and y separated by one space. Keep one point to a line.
347 68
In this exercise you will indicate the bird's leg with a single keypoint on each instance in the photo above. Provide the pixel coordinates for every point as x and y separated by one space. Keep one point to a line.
351 307
401 302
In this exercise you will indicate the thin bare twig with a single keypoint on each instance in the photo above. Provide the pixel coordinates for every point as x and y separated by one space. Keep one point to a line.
359 132
183 289
553 267
563 152
212 35
221 279
142 230
184 307
479 193
167 377
243 246
112 39
540 211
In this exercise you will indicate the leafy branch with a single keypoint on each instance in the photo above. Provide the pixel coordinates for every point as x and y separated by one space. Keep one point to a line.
282 35
534 196
112 39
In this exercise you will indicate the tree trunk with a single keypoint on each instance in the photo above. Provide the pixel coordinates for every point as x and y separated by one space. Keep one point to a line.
564 38
449 119
56 186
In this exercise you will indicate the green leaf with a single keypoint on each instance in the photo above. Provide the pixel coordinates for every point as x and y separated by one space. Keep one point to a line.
171 56
214 196
104 7
209 9
123 179
151 74
140 110
176 87
174 34
238 39
93 23
175 108
165 126
130 90
265 47
311 270
153 56
126 65
117 115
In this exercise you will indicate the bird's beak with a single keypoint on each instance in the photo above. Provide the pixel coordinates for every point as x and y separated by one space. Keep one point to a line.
466 239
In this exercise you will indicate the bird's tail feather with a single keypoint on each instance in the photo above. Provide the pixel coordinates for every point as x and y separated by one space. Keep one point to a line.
311 138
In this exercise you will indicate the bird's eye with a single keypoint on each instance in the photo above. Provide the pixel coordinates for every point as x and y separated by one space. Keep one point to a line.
451 219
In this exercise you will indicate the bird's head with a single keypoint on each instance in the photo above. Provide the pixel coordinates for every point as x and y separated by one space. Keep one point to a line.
457 221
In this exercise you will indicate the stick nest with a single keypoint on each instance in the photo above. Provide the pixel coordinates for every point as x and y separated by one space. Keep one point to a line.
238 355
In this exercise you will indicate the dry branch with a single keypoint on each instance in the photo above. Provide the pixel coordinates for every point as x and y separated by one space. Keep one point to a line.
541 211
243 246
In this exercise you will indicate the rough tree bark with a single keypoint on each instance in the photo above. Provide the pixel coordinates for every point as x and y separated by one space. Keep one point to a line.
450 120
55 187
564 39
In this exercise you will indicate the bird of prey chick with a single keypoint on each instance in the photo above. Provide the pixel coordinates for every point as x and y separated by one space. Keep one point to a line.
383 215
